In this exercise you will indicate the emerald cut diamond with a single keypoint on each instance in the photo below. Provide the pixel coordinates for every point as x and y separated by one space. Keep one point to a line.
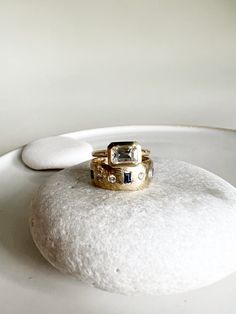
124 153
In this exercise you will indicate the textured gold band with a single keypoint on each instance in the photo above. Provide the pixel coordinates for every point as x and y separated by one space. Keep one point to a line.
125 177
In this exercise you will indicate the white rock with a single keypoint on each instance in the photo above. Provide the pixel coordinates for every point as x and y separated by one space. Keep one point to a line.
55 152
178 234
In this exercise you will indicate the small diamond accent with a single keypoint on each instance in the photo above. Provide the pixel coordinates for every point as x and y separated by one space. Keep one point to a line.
125 152
112 178
141 175
151 173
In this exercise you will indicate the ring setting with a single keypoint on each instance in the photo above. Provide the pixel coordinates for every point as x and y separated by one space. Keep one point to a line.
122 166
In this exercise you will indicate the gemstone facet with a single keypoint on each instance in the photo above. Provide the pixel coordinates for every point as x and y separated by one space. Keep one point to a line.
124 153
127 177
112 178
141 175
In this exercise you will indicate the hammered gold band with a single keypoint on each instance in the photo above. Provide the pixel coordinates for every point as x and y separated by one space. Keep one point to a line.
126 178
123 166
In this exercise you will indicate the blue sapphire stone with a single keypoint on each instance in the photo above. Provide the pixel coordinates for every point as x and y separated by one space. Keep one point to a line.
127 177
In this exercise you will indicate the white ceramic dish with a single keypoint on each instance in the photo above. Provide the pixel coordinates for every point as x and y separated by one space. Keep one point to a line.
28 284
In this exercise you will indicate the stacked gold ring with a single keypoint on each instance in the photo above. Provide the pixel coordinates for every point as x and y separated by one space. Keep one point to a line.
123 166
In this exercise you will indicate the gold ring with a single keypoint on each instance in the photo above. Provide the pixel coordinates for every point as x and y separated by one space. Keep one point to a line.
122 153
124 166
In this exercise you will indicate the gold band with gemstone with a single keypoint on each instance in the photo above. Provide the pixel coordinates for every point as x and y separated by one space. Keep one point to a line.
132 153
125 167
103 153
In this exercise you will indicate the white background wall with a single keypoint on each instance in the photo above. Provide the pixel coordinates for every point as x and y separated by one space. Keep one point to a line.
69 65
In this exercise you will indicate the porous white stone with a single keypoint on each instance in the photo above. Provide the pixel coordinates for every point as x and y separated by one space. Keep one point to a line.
178 234
56 152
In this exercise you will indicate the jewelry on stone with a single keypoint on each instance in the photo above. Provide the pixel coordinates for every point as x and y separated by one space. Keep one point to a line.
124 166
